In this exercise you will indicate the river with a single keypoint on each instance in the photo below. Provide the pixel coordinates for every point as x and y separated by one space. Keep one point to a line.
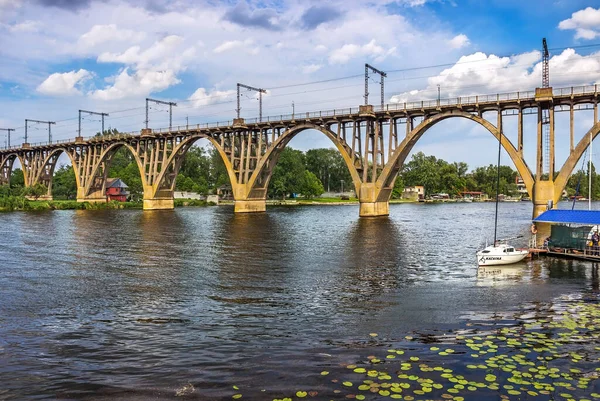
200 303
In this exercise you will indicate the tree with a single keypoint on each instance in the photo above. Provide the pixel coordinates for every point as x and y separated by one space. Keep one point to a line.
288 173
329 166
17 179
64 184
398 187
311 186
218 172
36 191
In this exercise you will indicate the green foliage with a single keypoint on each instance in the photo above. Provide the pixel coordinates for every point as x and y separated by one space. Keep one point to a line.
17 179
486 177
311 186
438 176
64 185
36 191
581 177
398 187
288 174
329 166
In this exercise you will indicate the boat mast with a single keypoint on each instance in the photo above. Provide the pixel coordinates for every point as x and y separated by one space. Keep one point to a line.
590 175
497 186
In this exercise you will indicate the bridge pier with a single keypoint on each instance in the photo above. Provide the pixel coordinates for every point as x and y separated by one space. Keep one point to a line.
374 209
248 201
544 191
250 206
93 197
159 200
371 203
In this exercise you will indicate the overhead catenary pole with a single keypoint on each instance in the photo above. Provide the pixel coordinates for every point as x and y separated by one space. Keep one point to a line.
50 123
170 104
102 115
382 75
250 88
8 130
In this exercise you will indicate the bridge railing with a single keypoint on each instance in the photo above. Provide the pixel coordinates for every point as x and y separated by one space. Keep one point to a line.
462 100
576 90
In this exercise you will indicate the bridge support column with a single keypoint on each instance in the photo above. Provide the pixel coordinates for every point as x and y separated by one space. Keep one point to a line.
250 206
94 197
160 200
371 204
247 203
543 191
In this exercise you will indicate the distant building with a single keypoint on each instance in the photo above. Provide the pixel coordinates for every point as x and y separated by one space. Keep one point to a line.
416 192
473 195
116 190
187 195
521 188
225 192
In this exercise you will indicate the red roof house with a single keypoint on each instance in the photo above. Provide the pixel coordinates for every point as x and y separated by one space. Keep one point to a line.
116 190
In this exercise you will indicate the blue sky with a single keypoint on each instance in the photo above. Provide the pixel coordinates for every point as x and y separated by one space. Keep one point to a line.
60 56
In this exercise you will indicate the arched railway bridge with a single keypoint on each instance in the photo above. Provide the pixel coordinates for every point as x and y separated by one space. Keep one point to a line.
373 140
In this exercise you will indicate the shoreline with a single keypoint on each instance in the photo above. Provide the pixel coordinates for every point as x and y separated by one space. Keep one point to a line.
26 205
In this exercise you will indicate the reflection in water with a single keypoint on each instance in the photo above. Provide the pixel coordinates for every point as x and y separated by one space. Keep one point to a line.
500 273
371 263
125 303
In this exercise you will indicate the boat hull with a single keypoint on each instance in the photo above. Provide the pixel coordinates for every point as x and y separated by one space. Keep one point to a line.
495 260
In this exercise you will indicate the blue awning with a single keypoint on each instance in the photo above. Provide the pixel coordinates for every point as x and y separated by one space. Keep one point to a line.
588 217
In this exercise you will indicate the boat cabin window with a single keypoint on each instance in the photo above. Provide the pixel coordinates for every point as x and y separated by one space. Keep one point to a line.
485 251
509 250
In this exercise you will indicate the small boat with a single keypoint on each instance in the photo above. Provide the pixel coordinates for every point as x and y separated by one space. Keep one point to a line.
500 254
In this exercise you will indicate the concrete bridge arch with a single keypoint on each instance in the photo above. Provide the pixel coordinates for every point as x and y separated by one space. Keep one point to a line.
264 169
386 180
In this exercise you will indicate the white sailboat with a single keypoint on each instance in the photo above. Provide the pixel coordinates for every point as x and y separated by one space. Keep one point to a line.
499 253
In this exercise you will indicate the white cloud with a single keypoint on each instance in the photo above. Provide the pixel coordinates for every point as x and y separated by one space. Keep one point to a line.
100 34
155 68
139 83
64 84
479 73
350 51
203 98
159 52
232 44
310 68
586 23
459 41
26 26
321 48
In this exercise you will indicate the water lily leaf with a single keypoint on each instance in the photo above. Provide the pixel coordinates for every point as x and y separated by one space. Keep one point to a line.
301 394
236 396
324 373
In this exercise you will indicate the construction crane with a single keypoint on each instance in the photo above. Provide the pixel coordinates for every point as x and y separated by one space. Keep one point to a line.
546 112
545 66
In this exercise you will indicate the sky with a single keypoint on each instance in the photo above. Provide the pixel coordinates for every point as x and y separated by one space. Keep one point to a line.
60 56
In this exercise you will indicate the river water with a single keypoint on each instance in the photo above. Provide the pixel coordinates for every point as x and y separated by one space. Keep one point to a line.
200 303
